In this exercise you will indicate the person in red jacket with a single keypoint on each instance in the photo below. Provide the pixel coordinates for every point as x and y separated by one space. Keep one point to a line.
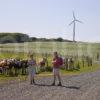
57 63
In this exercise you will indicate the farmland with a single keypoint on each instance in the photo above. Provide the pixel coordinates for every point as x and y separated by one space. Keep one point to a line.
77 50
64 48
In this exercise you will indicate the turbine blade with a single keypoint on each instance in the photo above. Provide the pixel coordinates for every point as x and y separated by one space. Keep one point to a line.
74 15
78 21
71 22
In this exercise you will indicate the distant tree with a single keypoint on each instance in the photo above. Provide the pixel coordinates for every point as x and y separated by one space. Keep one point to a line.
59 39
42 39
7 39
13 37
20 37
33 39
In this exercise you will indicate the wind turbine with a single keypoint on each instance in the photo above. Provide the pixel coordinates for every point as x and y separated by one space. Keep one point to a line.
74 25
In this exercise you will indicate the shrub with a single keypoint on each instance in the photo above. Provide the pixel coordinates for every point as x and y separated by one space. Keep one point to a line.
48 69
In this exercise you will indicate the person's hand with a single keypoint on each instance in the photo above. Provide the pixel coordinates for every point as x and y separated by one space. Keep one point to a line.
53 61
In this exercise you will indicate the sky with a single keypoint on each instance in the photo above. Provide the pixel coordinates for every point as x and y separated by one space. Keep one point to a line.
51 18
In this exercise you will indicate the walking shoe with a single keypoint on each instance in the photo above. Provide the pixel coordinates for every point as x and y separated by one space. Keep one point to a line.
59 84
31 82
53 84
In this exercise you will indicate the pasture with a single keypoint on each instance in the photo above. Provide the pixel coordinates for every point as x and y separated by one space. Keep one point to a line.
64 48
81 52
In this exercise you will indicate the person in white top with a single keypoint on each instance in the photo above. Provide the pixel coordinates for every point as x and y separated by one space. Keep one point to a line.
31 68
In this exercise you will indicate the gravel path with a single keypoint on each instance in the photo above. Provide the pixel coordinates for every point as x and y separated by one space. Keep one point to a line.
78 87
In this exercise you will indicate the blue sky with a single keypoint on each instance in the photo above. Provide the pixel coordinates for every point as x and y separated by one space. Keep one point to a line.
50 18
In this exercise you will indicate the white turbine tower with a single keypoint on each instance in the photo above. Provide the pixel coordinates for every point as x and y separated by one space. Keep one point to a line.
74 25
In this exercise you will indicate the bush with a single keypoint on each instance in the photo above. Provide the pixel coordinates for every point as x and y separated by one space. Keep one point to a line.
48 69
42 70
77 66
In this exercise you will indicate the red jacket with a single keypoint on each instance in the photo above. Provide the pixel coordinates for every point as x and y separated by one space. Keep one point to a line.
57 62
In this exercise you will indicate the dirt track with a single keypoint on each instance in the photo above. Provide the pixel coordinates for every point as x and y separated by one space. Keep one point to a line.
78 87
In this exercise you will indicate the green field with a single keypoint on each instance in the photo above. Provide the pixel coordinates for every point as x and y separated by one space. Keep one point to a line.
46 49
42 48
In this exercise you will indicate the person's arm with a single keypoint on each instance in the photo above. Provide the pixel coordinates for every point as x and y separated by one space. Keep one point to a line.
27 63
53 61
35 64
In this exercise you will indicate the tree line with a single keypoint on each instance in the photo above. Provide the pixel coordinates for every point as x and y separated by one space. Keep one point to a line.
21 37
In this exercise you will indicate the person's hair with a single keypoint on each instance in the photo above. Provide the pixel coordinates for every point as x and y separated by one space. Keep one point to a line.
55 52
